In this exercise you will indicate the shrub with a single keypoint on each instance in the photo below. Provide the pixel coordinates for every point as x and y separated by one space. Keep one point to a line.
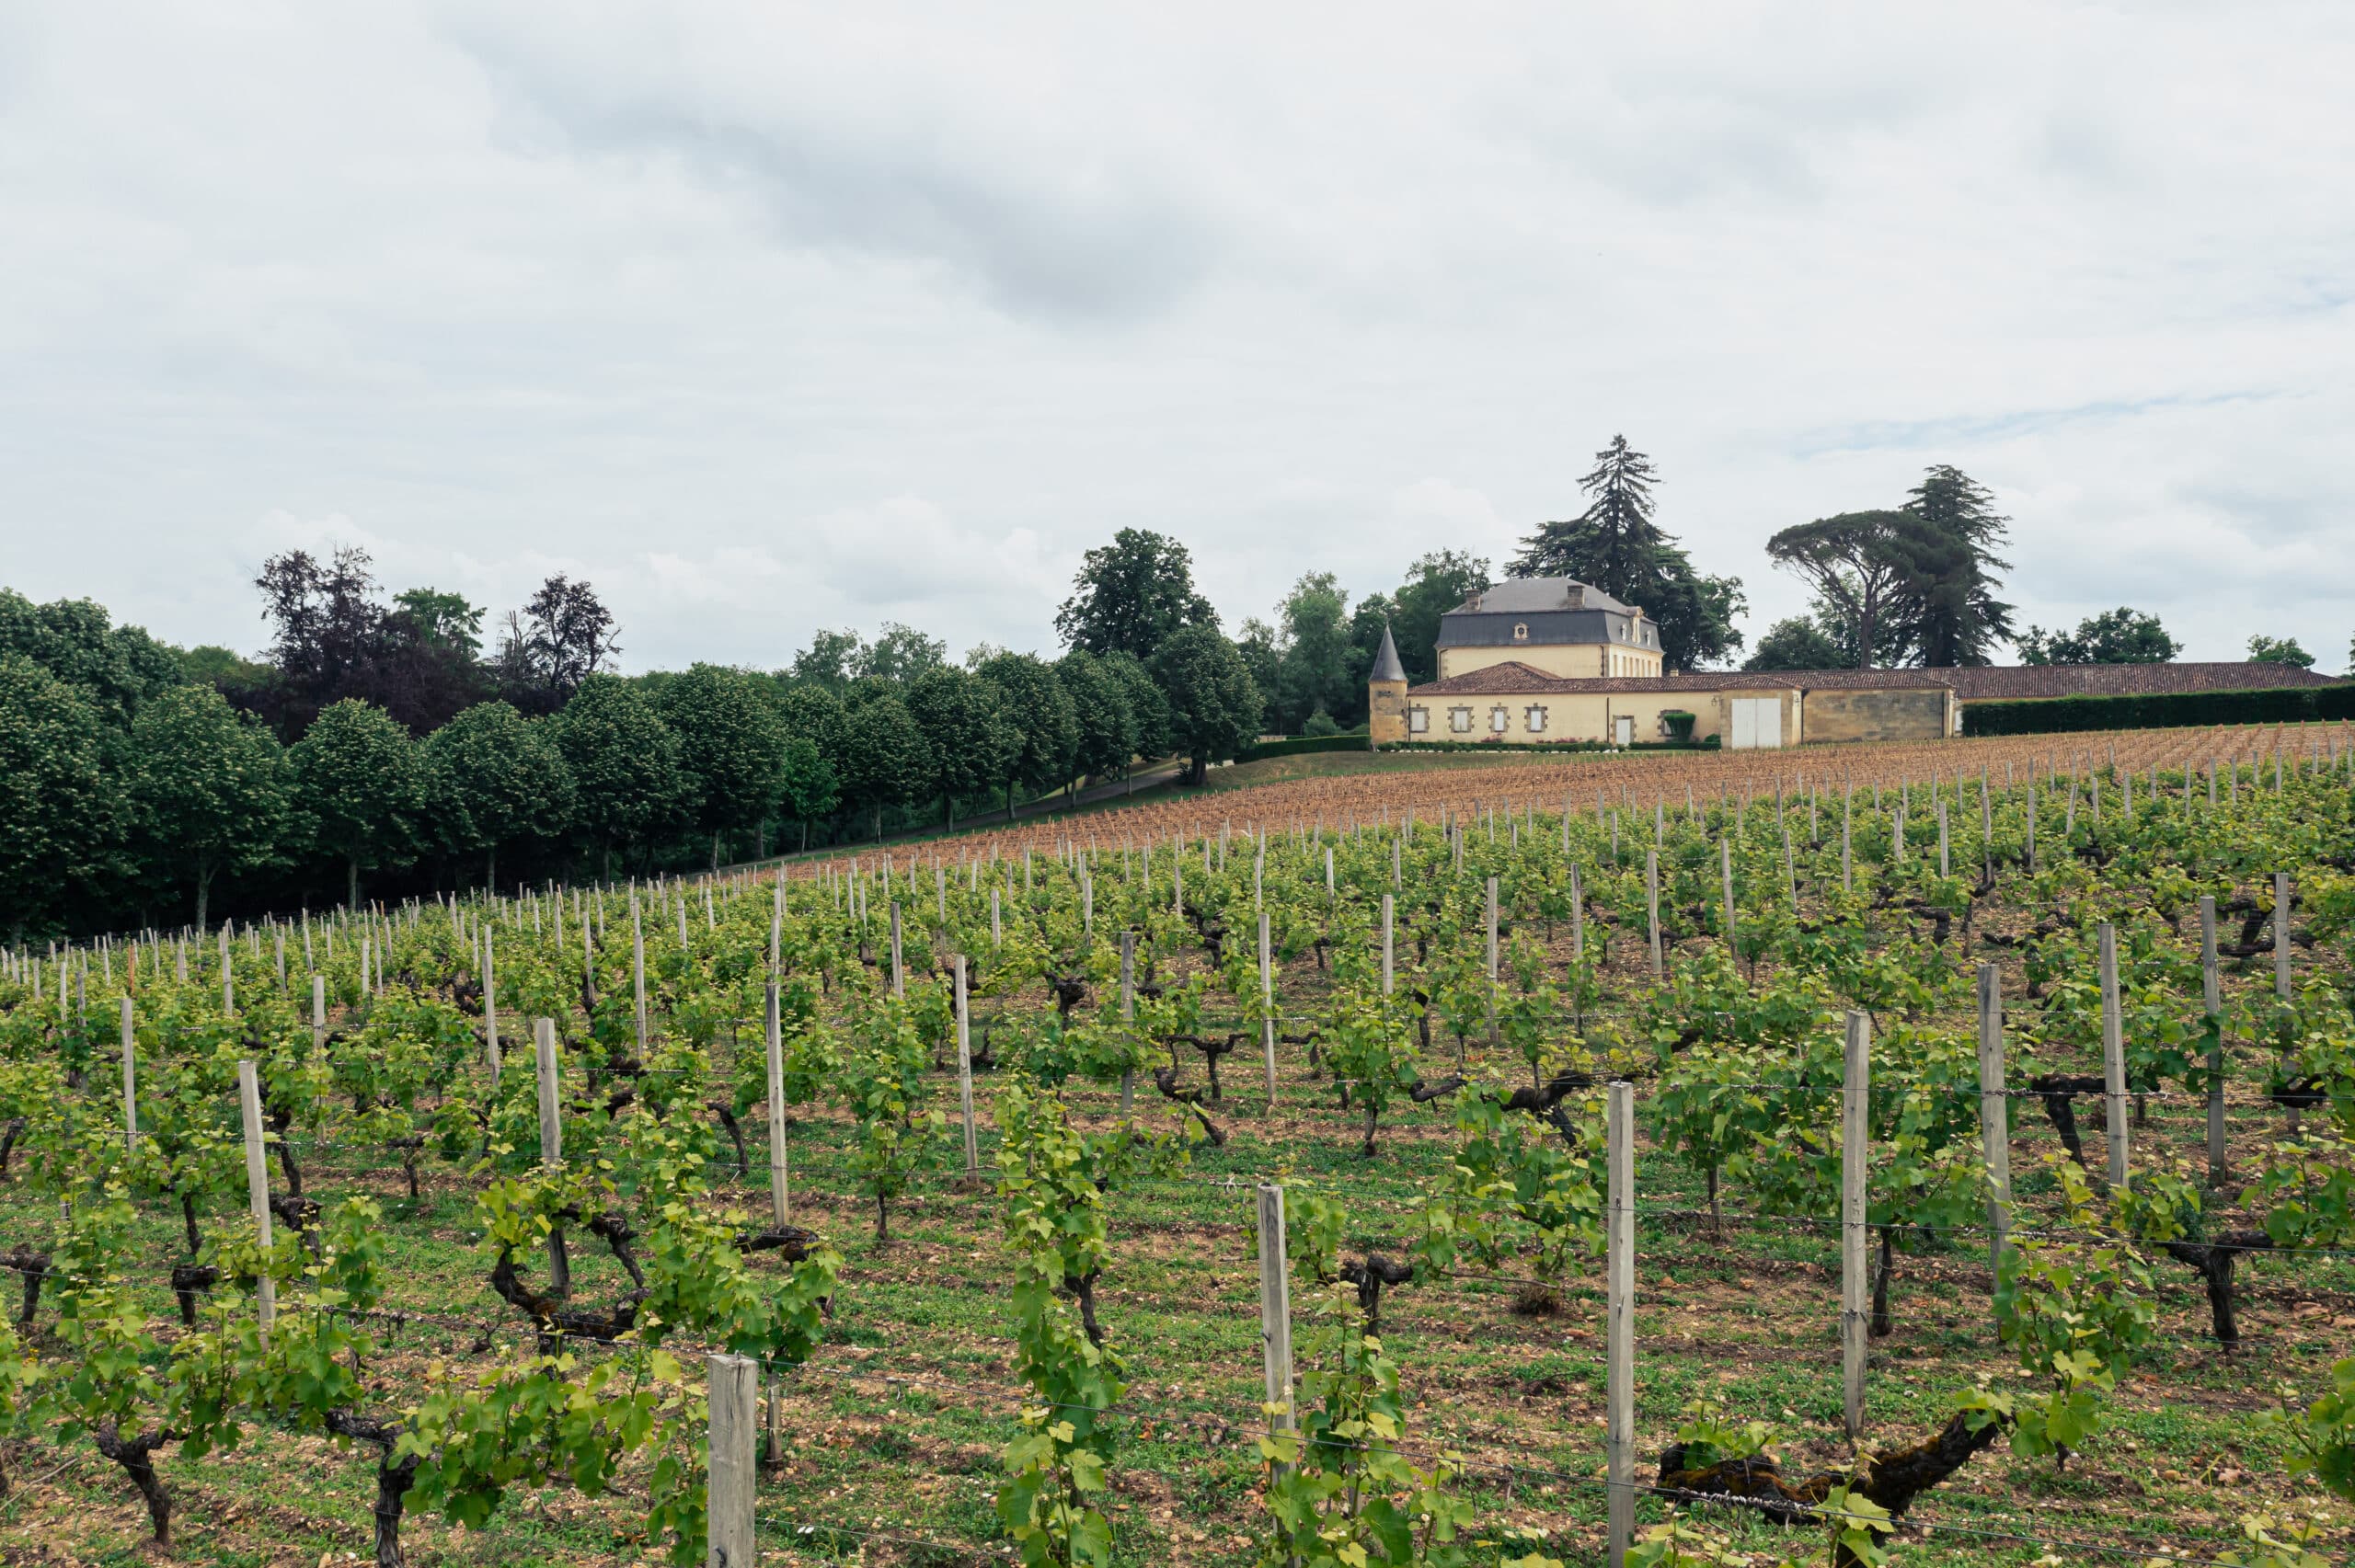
2160 710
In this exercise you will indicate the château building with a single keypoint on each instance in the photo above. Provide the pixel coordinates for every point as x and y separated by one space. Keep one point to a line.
1537 660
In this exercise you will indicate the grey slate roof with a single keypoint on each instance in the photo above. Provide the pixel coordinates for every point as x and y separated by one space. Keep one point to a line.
1548 628
1387 666
1523 596
1556 611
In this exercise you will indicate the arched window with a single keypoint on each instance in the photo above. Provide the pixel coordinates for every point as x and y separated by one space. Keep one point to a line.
1521 631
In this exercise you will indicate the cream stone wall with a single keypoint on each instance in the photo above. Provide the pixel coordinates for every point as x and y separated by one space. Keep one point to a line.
1585 716
1581 661
1385 712
1900 714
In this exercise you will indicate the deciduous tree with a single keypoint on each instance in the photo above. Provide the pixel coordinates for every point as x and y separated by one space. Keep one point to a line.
885 756
809 789
1099 700
551 647
1042 714
967 731
900 654
1148 706
1314 672
208 790
2123 635
730 748
831 661
1795 643
624 761
1436 583
1131 595
2263 649
495 778
327 630
443 618
117 668
358 780
61 810
1214 706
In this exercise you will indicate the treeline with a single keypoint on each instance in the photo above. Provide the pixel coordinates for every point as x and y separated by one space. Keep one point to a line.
377 749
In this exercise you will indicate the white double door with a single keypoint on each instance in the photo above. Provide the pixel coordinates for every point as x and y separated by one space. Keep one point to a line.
1757 723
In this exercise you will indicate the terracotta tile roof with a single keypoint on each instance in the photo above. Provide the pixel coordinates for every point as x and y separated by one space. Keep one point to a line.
1513 677
1996 682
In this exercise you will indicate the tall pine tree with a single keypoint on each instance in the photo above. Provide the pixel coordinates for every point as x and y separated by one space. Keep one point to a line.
1614 545
1954 616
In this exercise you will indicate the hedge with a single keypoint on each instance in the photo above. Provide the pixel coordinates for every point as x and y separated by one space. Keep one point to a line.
1707 743
1294 746
2162 710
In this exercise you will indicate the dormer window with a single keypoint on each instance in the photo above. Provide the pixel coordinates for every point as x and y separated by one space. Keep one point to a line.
1521 631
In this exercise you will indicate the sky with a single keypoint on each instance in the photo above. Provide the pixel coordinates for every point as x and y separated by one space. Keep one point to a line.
764 317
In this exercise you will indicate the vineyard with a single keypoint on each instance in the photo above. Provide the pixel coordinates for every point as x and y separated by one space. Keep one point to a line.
1935 1154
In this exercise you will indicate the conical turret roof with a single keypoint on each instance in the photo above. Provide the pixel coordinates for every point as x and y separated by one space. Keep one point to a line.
1386 663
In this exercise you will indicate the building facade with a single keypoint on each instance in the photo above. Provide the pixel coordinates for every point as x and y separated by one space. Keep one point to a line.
1558 625
1551 659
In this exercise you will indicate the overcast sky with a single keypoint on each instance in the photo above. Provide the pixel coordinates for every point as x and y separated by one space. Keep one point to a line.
767 317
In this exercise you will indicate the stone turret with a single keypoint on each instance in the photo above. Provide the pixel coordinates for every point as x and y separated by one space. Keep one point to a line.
1385 696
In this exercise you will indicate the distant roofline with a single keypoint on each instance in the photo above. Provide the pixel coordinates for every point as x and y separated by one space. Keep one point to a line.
1969 682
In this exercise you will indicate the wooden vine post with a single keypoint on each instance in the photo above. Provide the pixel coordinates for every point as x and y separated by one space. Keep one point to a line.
733 1477
1388 942
2211 1001
129 1083
2281 935
637 970
1725 866
1619 1329
1275 1310
965 1074
1995 1116
780 1206
1492 959
1267 1006
1856 1283
490 1007
1128 1010
257 1191
1651 907
551 1145
1578 917
2113 1055
1847 848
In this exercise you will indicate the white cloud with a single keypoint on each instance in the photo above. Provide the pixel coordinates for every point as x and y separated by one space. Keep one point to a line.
763 317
